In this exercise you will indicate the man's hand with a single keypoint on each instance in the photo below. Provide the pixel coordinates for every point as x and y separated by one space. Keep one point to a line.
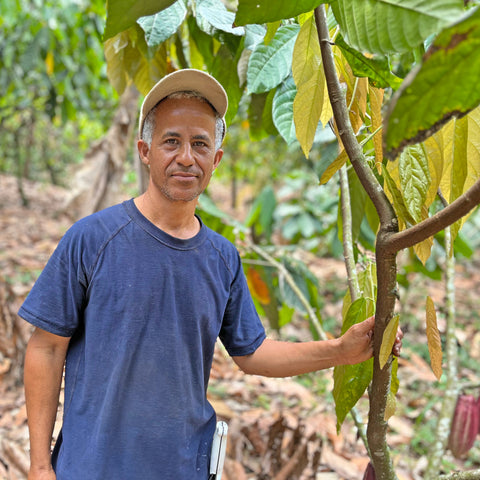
41 473
357 342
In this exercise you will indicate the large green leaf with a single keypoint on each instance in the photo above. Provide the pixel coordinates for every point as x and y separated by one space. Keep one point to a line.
122 14
164 24
445 85
265 11
351 381
377 69
282 110
270 64
392 26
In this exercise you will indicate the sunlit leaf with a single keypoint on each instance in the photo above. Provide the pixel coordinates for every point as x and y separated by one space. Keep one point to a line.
333 168
311 102
433 339
388 340
414 179
376 101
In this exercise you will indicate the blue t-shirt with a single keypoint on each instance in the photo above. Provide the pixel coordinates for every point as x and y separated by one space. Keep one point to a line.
144 310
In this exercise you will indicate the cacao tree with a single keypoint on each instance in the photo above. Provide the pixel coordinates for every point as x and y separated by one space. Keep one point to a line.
395 80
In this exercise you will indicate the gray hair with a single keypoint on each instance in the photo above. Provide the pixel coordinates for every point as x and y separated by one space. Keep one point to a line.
149 124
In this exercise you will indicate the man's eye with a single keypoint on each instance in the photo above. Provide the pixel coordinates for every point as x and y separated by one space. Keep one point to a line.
199 143
171 141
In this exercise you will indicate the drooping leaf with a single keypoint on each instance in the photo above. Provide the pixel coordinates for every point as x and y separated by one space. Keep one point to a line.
270 64
122 14
376 68
333 168
282 110
392 26
414 179
449 72
388 340
433 339
164 24
311 103
351 381
265 11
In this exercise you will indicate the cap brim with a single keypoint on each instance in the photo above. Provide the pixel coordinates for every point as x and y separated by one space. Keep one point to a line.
185 80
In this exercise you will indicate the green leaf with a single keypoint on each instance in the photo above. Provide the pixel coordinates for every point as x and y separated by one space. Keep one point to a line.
122 14
266 11
414 179
444 86
392 26
270 64
225 71
351 381
377 68
164 24
282 110
213 15
261 212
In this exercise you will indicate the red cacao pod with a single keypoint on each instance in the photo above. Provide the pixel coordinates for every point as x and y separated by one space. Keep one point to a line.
465 425
369 472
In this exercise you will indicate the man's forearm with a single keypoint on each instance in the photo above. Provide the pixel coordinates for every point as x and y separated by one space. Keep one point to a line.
43 372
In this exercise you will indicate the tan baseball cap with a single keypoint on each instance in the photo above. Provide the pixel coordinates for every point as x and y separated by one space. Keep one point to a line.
188 79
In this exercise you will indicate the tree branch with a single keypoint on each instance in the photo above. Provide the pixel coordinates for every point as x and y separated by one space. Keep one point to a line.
434 224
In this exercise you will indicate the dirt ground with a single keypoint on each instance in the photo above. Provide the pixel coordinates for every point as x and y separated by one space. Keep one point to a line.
278 428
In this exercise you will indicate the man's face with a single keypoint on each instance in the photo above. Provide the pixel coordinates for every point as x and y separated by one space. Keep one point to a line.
182 156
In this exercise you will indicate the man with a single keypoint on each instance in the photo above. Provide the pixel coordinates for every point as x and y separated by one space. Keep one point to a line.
134 298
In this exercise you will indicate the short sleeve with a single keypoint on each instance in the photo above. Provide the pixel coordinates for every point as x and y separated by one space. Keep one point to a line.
242 331
56 301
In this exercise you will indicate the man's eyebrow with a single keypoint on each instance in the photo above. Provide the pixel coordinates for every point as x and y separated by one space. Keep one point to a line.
171 134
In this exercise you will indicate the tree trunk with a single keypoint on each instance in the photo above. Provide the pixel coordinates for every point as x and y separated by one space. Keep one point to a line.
97 184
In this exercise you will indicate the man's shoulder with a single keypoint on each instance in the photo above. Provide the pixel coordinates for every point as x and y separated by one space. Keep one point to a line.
98 227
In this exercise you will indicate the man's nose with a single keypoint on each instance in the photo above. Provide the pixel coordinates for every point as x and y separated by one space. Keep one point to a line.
185 155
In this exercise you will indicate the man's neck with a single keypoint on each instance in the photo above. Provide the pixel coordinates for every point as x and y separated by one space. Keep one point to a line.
173 217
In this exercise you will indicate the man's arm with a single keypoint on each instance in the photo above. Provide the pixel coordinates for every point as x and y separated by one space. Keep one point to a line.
44 361
285 359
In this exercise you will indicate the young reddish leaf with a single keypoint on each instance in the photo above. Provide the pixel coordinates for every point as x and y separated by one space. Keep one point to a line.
257 286
389 335
433 339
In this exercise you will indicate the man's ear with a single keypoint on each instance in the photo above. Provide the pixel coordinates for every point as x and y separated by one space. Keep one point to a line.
217 158
143 150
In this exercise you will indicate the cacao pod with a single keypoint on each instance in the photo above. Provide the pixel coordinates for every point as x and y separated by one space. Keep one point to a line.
369 472
465 425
